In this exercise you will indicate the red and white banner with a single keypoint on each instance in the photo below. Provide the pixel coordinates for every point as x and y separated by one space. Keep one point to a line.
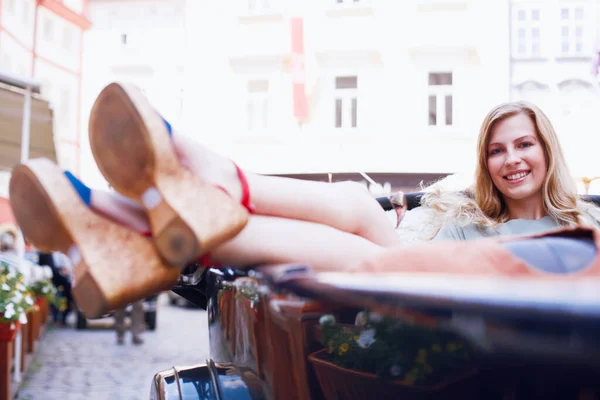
297 70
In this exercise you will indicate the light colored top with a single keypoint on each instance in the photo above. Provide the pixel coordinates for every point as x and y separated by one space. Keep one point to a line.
453 231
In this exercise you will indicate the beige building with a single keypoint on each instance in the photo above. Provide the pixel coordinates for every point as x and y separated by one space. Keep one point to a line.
307 89
554 45
391 87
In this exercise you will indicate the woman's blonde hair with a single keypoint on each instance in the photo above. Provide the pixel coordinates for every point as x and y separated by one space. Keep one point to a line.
483 203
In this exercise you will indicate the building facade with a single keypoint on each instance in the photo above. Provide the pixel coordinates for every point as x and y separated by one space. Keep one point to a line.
43 39
324 90
554 45
140 42
336 86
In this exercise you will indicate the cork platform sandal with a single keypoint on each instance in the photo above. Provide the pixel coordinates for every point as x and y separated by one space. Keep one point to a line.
113 265
132 146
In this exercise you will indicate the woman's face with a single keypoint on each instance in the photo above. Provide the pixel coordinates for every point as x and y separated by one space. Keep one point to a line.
516 160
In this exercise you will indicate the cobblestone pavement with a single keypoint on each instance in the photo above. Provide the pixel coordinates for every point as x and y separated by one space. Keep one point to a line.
72 364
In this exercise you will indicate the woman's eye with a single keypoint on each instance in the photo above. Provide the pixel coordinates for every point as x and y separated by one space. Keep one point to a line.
494 151
526 144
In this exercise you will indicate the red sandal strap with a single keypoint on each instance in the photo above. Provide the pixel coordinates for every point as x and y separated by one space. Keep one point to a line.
245 201
206 260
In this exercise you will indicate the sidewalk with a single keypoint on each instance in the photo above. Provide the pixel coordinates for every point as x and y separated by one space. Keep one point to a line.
72 364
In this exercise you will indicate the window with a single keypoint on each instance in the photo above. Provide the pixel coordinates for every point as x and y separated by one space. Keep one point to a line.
67 39
257 105
527 33
350 2
21 68
45 88
577 99
64 104
10 6
571 31
440 99
260 6
25 13
346 102
6 62
48 30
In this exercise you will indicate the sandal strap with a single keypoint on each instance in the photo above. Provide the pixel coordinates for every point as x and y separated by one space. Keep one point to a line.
206 260
245 201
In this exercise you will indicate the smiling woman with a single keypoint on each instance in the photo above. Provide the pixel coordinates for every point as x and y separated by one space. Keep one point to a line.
517 166
522 183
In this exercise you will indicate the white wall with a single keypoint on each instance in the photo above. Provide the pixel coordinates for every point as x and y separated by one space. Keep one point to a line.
391 46
138 41
18 19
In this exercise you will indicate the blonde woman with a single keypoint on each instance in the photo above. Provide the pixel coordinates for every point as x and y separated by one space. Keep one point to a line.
522 182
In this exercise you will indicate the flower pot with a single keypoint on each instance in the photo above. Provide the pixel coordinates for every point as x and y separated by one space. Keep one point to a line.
341 383
33 331
42 303
8 330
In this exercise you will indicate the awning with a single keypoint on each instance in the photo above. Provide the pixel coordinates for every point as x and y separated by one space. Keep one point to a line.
41 142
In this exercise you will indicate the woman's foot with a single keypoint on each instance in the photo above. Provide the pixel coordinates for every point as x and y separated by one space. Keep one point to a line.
137 340
112 205
133 148
113 265
121 210
208 165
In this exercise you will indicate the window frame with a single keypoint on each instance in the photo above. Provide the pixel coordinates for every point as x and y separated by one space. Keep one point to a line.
441 92
522 45
345 103
571 24
258 99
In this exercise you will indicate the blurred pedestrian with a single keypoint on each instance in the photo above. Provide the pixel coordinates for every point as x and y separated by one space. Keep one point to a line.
61 279
137 323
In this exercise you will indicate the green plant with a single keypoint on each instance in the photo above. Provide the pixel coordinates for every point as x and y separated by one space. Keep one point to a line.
393 349
15 297
46 289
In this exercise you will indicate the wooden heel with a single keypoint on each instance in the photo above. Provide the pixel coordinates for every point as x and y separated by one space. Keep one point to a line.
177 243
133 150
113 265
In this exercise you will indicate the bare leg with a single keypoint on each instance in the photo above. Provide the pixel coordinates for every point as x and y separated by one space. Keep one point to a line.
137 321
120 324
264 240
345 206
271 240
120 209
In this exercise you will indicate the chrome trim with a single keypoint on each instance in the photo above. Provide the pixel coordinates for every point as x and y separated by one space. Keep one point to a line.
214 378
176 373
159 386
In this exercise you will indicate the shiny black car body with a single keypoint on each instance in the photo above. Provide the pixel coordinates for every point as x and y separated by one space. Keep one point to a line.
535 341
